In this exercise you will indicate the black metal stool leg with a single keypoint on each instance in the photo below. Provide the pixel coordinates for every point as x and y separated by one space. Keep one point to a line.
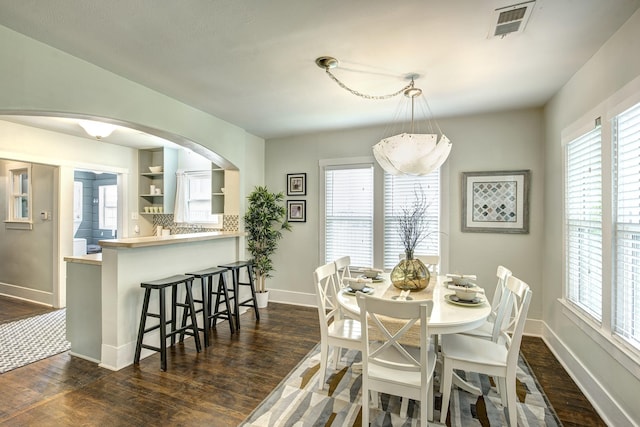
206 307
143 323
252 286
174 311
194 320
223 293
163 331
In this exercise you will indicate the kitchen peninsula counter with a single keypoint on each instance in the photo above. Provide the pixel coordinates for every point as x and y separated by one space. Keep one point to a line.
124 264
140 242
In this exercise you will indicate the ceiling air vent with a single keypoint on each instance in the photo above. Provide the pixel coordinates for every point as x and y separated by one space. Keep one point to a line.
510 19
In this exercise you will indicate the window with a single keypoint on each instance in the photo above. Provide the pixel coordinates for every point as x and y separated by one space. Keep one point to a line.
108 207
349 213
400 191
19 196
199 198
360 204
583 228
626 183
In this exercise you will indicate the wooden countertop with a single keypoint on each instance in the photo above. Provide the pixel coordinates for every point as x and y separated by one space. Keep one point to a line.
91 259
140 242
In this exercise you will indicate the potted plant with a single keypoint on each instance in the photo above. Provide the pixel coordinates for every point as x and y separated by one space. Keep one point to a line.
264 221
410 273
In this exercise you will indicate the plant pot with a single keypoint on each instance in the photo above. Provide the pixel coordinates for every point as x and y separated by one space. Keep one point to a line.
410 274
263 299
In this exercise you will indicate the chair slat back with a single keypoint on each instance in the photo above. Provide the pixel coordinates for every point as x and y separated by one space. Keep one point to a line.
324 277
502 273
342 269
502 305
512 333
386 324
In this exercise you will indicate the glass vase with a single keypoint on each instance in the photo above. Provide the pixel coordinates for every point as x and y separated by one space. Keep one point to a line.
410 274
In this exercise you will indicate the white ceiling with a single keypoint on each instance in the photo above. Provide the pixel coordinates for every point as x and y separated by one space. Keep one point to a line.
251 62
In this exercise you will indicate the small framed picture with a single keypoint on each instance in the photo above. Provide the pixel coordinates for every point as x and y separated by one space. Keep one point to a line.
495 202
296 184
297 210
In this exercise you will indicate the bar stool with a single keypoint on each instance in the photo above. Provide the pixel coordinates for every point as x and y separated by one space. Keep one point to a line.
190 329
211 313
235 268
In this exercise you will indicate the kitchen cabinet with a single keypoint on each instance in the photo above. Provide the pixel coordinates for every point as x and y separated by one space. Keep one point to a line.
157 188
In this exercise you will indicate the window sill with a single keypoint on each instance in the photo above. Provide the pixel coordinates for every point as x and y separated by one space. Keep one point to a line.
616 347
18 225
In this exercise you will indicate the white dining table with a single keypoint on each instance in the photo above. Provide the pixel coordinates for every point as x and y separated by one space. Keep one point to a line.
446 317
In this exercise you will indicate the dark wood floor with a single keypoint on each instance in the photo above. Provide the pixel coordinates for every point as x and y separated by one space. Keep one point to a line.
218 387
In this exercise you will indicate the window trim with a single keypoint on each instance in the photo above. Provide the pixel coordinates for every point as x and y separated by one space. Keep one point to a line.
11 222
345 163
602 334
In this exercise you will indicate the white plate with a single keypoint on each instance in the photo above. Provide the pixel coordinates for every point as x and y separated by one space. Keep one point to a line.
457 301
365 290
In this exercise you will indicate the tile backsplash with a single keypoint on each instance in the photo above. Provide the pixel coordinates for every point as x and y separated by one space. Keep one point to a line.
229 223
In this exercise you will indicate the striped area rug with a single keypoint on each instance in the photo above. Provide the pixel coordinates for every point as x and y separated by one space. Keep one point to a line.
29 340
297 401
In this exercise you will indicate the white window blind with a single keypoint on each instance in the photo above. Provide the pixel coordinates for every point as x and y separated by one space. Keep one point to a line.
583 215
627 225
199 198
399 192
349 213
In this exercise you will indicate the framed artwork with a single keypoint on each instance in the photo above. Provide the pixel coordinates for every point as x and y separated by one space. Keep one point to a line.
296 184
495 202
297 210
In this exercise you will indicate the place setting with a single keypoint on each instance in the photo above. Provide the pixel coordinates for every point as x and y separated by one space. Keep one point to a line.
357 284
467 293
375 274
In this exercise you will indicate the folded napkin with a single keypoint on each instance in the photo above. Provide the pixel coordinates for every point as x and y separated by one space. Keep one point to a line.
348 280
463 276
466 288
377 270
403 295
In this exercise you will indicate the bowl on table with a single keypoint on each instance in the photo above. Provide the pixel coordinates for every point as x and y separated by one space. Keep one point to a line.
357 286
371 273
462 279
468 294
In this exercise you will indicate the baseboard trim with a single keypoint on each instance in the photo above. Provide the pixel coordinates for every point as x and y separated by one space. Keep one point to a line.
604 404
293 298
26 294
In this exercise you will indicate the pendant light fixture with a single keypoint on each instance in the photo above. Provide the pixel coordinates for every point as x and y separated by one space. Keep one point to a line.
98 130
405 153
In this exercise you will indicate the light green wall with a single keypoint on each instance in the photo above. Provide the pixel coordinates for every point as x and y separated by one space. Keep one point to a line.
27 255
490 142
614 65
37 77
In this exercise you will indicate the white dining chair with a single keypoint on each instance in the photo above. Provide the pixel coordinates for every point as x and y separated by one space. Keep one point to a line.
342 269
497 359
432 262
391 365
335 331
501 309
